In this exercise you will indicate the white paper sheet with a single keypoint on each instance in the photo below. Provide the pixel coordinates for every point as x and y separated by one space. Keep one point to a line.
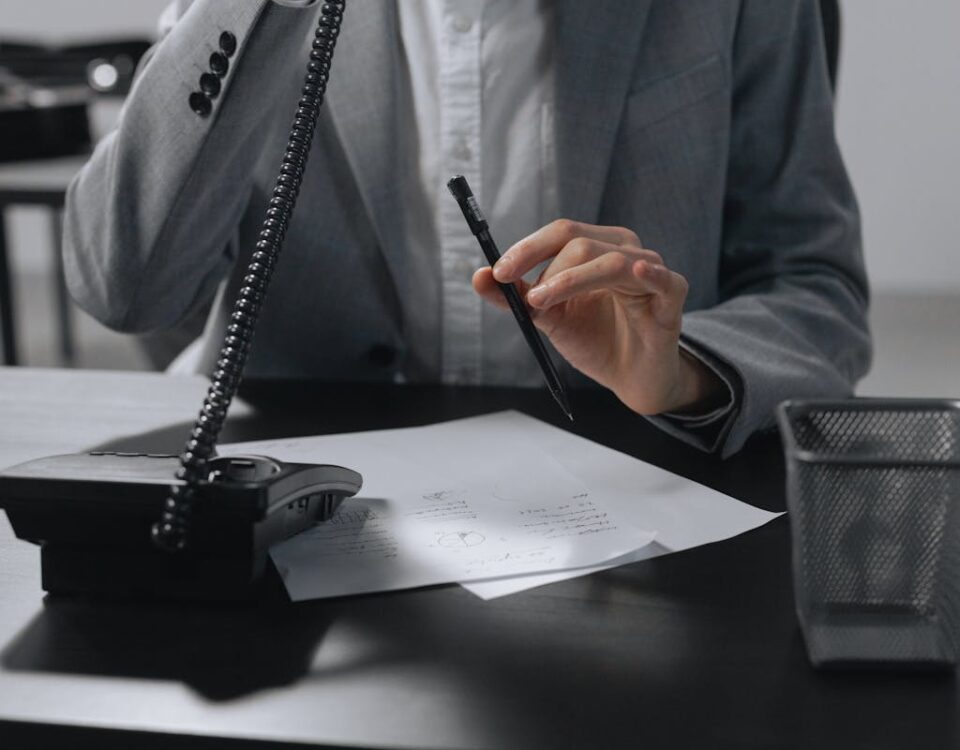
684 514
444 504
681 513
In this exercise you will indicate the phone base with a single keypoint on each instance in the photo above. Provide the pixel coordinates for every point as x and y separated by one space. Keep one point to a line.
144 573
91 516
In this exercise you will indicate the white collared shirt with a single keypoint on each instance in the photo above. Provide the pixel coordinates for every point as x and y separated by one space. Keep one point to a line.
481 85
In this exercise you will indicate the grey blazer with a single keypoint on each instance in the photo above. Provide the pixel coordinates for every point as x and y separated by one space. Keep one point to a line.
704 125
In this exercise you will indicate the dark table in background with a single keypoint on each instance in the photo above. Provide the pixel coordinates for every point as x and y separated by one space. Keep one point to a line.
40 183
698 649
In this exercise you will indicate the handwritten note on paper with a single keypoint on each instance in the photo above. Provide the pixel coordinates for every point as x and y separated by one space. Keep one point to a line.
357 532
516 512
685 514
578 517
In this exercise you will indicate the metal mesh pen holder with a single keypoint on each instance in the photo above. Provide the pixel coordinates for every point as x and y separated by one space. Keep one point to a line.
873 489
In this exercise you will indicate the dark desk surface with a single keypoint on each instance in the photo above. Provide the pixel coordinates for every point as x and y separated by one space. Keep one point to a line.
696 649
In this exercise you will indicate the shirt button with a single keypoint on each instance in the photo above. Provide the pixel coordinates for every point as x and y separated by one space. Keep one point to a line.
462 24
461 150
382 355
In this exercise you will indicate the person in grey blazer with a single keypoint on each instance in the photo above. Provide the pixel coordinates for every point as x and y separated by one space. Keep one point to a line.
703 261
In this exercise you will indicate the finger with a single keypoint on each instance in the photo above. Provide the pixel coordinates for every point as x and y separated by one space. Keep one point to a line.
581 251
550 240
613 271
487 287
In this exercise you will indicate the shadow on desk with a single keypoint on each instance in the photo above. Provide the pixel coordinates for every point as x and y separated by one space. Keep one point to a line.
577 663
223 652
565 665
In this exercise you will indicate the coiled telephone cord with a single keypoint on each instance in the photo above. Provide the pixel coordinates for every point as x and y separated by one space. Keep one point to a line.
171 532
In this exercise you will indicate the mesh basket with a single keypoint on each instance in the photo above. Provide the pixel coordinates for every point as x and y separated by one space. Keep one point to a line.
873 487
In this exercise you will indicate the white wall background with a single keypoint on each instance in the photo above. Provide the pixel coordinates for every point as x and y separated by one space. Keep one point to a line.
898 120
59 19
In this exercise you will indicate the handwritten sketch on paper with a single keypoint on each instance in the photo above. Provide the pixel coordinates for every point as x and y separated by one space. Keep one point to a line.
497 462
423 536
517 512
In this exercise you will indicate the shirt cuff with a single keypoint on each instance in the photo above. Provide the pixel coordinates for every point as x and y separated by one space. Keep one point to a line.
705 430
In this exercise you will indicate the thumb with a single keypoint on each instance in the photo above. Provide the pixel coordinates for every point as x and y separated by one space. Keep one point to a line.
487 287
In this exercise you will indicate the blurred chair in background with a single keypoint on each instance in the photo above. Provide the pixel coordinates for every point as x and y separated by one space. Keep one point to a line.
46 95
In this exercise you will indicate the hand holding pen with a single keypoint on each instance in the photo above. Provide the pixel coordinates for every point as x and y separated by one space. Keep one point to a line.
612 309
478 225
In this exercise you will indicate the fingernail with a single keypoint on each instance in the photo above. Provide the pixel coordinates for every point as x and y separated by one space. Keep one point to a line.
537 295
501 269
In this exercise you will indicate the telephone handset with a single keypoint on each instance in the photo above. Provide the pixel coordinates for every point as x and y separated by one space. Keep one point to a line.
198 524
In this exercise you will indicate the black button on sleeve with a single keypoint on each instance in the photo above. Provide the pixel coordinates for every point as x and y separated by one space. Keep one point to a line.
228 43
200 104
210 85
219 64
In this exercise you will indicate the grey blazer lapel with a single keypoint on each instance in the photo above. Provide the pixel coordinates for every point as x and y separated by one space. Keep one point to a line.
597 44
363 102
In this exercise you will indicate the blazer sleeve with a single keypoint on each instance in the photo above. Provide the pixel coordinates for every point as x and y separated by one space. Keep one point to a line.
792 320
150 219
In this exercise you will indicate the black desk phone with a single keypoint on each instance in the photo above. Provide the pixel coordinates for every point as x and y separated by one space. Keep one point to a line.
193 525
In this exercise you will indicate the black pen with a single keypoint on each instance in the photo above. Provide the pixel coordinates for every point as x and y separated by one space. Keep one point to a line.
478 225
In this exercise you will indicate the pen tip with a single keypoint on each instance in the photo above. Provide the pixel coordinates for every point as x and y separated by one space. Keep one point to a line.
561 398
